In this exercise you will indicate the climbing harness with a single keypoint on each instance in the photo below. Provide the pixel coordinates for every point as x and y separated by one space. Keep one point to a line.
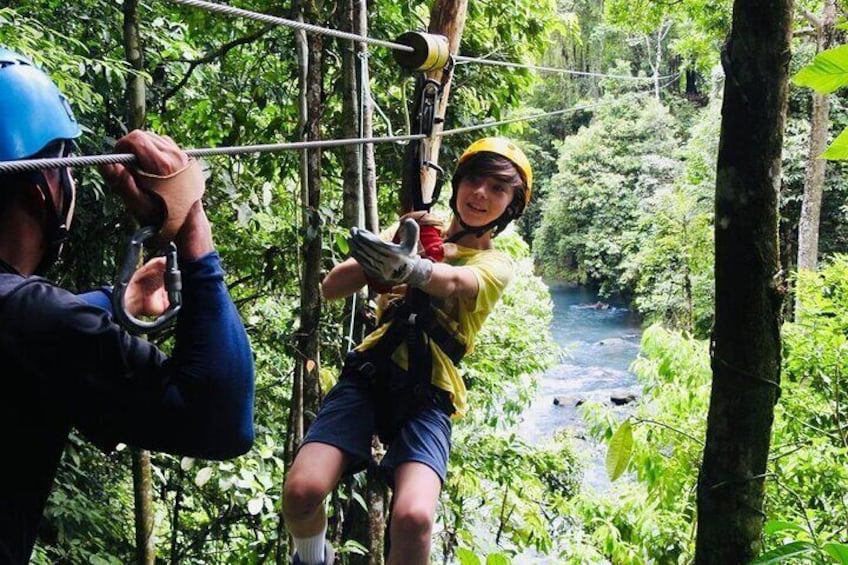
412 319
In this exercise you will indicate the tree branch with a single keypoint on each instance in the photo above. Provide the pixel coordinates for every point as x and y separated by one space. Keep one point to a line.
211 56
810 17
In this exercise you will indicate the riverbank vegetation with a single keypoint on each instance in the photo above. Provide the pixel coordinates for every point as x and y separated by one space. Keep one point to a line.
624 203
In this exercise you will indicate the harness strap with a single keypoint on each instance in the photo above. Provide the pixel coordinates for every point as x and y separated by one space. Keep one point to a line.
428 323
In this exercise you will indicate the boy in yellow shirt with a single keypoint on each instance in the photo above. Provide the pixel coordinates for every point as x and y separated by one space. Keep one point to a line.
377 391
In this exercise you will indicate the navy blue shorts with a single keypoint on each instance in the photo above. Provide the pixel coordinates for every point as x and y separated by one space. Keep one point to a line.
346 420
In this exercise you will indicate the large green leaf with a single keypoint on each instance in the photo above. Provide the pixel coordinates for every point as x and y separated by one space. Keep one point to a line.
839 552
838 150
620 450
827 72
773 526
784 553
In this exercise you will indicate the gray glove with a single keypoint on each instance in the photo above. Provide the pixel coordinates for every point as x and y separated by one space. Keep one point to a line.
393 263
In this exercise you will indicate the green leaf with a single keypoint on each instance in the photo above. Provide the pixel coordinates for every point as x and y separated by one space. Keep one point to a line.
620 450
467 557
838 150
827 72
498 559
784 553
341 243
839 552
773 526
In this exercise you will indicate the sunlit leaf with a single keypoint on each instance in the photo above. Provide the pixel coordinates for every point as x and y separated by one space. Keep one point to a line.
203 476
620 450
467 557
498 559
827 72
838 150
773 526
254 506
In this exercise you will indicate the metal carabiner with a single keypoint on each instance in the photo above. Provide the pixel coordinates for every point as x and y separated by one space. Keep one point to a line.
173 284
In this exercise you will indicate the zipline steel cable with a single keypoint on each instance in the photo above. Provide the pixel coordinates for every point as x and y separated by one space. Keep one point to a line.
229 10
27 165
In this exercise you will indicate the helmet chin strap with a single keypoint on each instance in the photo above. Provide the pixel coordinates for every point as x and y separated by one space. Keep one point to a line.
57 224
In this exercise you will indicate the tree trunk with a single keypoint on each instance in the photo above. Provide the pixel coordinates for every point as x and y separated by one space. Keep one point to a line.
352 166
136 93
369 165
447 18
145 547
310 300
808 225
297 407
375 489
746 335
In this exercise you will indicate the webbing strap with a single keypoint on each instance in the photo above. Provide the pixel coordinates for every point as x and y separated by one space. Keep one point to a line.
426 322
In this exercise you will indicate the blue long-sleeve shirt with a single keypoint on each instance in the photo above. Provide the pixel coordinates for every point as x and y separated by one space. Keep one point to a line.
66 364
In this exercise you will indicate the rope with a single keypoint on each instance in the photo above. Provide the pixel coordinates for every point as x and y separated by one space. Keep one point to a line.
231 11
482 61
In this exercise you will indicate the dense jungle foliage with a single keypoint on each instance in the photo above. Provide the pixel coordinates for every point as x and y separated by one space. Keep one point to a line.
624 203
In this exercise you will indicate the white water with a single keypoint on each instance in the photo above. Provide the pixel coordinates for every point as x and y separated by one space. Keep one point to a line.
599 344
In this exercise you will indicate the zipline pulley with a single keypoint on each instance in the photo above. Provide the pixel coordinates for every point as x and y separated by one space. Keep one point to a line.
430 52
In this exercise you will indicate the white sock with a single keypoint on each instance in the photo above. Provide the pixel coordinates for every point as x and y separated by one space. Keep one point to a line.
311 549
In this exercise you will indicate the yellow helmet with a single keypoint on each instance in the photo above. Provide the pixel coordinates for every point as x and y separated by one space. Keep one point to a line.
509 150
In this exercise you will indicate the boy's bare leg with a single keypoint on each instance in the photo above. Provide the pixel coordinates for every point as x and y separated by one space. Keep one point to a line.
316 470
416 495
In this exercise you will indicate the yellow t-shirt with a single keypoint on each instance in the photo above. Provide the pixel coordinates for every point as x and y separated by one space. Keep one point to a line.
462 316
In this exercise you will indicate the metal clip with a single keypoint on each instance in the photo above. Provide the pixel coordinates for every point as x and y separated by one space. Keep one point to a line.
173 284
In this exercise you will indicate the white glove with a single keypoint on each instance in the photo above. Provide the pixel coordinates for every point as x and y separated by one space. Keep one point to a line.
393 263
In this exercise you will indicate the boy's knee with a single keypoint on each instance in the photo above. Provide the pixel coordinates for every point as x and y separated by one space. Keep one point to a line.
301 497
413 522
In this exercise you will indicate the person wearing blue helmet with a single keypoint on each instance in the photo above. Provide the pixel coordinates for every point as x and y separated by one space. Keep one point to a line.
67 364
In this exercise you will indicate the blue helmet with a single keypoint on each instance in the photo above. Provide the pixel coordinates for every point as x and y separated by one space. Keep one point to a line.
33 113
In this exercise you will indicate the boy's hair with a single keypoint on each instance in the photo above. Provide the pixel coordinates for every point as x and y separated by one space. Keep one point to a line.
487 164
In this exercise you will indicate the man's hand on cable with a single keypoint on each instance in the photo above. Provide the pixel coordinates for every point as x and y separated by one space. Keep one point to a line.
393 263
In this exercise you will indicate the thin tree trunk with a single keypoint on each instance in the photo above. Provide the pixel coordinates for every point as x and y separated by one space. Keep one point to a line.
808 225
310 300
296 422
145 546
352 214
369 165
136 92
375 489
746 335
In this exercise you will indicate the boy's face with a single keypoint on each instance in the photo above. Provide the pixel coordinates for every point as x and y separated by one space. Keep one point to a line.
482 199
